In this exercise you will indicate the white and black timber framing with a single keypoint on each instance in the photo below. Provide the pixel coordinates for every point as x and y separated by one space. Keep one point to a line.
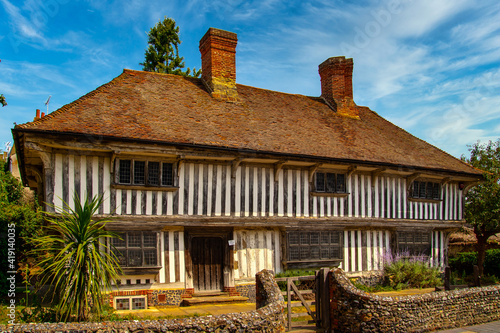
259 197
209 190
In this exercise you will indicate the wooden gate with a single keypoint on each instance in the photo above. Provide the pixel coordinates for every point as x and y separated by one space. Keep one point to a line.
207 255
321 312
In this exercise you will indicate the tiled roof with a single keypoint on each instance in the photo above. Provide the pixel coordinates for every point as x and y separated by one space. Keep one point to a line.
173 109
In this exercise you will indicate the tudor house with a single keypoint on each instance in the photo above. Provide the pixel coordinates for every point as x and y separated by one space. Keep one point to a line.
211 181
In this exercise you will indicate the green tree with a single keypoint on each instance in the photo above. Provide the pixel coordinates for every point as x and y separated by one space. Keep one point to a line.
77 261
482 203
16 210
162 55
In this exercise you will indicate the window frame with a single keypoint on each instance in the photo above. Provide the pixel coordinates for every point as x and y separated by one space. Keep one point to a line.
416 242
308 245
129 298
326 189
160 183
127 248
416 194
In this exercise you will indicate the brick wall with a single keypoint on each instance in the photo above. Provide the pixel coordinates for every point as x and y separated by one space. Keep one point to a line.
352 310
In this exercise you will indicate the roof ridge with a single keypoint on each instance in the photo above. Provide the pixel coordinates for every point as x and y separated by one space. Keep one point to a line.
196 78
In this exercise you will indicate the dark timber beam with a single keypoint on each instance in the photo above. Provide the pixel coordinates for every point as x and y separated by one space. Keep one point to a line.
411 178
312 170
351 170
277 168
376 173
234 166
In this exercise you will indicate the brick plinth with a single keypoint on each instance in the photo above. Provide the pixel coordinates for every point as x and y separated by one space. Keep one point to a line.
188 293
232 291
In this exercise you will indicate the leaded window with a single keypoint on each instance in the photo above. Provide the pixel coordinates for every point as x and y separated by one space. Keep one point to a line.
124 171
148 173
330 182
414 243
426 190
136 249
314 246
168 175
154 173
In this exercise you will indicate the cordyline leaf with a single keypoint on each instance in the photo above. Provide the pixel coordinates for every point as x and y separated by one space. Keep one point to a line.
77 270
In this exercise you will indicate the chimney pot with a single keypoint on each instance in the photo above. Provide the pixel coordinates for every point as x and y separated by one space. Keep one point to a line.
37 116
43 114
218 63
336 85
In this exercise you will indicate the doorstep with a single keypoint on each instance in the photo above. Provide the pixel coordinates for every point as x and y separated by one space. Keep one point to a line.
212 298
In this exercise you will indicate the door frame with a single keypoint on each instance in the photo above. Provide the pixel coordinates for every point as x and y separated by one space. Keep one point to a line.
226 234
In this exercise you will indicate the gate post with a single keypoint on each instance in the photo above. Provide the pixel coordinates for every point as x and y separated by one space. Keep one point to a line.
323 299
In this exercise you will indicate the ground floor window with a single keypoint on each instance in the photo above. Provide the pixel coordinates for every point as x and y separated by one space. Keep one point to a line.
131 303
137 248
314 246
415 243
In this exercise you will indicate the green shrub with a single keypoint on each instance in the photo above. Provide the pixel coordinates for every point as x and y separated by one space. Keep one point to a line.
295 272
38 314
292 273
465 261
410 273
492 262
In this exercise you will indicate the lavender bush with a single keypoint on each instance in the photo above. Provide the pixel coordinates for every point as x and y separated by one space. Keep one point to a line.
402 270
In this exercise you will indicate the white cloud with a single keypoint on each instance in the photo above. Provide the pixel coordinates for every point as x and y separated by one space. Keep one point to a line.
416 18
22 26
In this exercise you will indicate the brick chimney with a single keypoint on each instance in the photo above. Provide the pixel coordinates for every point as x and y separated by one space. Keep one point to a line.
336 85
218 63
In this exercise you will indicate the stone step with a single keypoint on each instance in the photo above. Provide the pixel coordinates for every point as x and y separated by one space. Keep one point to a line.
210 293
213 300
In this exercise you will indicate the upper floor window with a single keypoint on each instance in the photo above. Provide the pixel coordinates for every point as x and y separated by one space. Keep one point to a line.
328 182
426 190
138 172
136 249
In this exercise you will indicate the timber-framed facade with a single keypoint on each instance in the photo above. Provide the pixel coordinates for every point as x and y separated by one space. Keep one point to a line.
210 181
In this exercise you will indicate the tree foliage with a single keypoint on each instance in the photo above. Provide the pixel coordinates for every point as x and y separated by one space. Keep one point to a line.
77 261
162 55
25 215
482 205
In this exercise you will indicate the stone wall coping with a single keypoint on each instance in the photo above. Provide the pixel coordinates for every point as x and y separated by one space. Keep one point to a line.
353 310
429 297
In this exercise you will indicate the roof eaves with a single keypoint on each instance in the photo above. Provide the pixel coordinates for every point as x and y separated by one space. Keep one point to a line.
255 151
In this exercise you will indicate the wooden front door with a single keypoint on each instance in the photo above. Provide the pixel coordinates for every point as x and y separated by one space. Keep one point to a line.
208 257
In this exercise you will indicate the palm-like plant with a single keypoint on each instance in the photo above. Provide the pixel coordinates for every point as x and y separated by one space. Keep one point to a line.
78 263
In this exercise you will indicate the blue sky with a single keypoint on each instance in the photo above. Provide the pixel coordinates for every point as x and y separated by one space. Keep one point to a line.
429 66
